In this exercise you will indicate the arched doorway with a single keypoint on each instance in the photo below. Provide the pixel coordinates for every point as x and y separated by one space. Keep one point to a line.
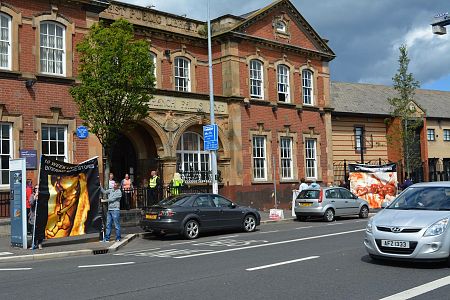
135 153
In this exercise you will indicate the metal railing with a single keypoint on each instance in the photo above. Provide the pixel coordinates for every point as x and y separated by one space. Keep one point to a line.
198 176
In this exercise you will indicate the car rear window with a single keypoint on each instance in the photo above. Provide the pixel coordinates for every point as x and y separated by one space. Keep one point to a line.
309 194
174 201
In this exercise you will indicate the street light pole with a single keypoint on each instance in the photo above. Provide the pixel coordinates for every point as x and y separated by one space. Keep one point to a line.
215 187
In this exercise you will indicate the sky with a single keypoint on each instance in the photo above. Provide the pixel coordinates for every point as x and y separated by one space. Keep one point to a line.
365 35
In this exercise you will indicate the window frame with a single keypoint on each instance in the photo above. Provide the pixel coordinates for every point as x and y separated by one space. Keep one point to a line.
9 41
359 138
431 135
253 80
187 71
66 153
446 135
10 154
282 29
199 152
259 173
63 50
308 87
289 159
309 158
283 83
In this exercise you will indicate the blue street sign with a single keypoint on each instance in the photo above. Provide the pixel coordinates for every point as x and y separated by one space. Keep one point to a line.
82 132
210 137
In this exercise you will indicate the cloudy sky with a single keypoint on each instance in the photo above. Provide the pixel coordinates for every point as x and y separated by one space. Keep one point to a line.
364 34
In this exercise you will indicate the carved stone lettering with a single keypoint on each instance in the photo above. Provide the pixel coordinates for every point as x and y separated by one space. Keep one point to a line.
188 105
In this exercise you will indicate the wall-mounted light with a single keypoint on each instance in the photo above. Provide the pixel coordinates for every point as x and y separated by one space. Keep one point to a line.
247 104
299 109
29 83
274 108
167 54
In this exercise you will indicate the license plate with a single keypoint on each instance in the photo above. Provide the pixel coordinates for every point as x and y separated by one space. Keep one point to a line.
305 204
394 244
150 217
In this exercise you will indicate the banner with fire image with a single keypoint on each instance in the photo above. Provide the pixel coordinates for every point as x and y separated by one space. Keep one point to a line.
374 183
68 198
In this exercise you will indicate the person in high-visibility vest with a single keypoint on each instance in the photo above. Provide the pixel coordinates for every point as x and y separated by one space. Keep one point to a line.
154 185
175 184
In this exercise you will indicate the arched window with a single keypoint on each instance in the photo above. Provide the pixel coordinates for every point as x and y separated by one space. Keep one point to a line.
192 159
5 42
283 83
256 79
182 74
307 84
52 48
280 26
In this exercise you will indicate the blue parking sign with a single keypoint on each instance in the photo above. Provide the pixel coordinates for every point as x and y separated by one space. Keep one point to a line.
210 137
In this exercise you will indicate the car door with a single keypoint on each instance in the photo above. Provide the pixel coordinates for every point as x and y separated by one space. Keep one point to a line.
350 202
230 216
207 212
333 197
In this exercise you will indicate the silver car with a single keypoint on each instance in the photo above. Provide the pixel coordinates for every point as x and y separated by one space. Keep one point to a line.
414 226
328 203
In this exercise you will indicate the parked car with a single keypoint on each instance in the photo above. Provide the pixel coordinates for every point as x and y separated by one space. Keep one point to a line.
190 214
414 226
329 203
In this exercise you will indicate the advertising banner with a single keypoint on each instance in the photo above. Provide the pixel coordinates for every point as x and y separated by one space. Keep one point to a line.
68 198
374 183
18 208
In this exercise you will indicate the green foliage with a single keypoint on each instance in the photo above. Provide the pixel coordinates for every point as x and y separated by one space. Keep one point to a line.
117 81
404 109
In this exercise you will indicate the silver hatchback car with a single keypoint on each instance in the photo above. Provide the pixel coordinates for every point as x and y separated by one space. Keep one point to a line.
414 226
329 203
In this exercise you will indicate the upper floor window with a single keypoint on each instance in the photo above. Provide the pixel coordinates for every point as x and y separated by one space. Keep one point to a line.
182 72
286 158
54 142
5 151
52 48
153 58
280 26
256 79
5 42
446 135
283 83
359 138
259 158
430 134
307 85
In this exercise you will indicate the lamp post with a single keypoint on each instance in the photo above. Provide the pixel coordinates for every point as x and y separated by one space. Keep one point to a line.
215 187
440 21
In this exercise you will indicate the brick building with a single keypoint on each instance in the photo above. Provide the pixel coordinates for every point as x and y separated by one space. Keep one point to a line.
271 86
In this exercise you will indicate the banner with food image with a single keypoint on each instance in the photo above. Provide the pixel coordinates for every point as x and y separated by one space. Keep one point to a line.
374 183
68 198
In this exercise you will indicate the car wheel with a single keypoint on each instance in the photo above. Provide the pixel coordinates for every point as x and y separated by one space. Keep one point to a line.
249 223
364 212
191 229
301 218
329 215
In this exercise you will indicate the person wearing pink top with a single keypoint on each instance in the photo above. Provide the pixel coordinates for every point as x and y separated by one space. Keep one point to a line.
127 187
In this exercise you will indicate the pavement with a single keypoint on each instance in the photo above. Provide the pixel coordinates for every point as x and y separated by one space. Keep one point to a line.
87 244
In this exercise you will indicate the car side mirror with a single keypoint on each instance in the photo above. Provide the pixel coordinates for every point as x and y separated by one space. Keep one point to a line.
233 205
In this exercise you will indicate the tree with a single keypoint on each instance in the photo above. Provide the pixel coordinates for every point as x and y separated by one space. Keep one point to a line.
116 82
404 109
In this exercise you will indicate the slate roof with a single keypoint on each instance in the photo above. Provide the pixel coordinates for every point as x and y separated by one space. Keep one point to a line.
362 98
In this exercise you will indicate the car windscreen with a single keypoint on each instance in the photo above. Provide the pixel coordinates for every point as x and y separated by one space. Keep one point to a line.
309 194
174 201
423 198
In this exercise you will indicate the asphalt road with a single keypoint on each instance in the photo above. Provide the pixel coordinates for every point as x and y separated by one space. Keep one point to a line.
291 260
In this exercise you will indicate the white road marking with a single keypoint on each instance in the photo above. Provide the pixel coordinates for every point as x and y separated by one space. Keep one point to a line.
419 290
274 243
303 227
229 243
5 253
228 236
269 231
282 263
166 253
182 243
16 269
108 265
136 251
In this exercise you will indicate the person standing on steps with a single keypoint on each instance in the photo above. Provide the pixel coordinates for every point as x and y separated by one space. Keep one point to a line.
154 185
127 187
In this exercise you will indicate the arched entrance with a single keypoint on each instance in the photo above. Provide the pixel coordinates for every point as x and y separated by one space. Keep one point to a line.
135 153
